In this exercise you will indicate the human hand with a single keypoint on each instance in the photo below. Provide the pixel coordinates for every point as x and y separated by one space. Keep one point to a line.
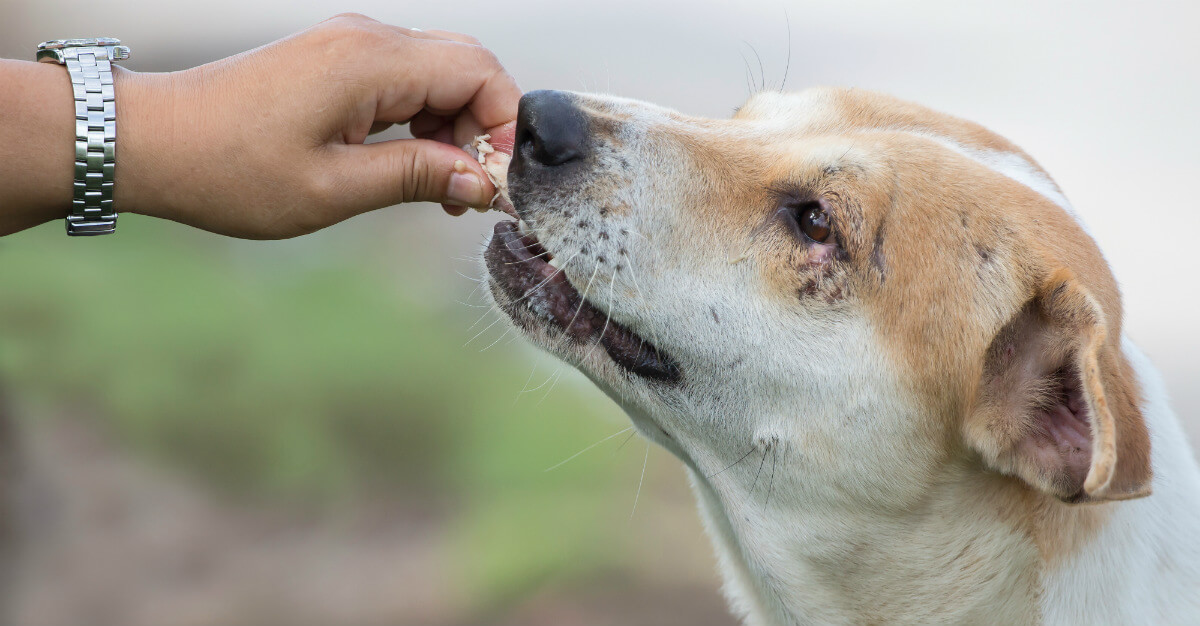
268 144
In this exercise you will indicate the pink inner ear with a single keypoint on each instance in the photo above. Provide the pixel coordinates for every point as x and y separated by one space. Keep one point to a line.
1061 443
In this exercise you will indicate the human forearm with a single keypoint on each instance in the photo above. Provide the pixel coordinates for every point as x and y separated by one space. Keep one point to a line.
37 142
269 143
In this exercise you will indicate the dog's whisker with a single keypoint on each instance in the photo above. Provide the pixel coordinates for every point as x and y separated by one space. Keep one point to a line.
582 301
607 318
758 473
470 278
512 339
749 74
527 260
531 230
642 479
478 285
774 462
637 232
627 440
525 385
730 466
761 80
497 340
573 456
762 74
644 302
538 286
544 383
788 65
487 328
653 249
485 313
612 281
557 377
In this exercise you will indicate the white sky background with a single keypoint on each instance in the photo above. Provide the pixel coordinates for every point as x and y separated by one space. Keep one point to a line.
1104 94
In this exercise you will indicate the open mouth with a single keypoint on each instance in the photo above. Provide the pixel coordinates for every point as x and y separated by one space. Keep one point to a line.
525 271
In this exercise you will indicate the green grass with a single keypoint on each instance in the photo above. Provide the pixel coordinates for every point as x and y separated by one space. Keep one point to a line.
308 370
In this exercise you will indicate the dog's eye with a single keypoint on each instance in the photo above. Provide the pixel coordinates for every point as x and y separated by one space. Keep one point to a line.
813 221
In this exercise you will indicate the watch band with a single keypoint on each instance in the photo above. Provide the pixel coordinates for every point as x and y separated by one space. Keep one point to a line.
89 64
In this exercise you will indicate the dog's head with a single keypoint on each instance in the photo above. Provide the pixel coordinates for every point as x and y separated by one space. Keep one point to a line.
836 288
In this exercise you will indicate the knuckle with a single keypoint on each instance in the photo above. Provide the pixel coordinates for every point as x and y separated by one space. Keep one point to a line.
474 41
351 28
488 58
350 17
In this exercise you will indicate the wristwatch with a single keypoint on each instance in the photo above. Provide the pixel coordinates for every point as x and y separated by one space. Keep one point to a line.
89 64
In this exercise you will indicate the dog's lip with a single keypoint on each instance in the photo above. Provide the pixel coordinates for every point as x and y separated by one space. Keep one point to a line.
520 266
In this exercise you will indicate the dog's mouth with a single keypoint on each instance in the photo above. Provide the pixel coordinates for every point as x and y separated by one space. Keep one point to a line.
533 287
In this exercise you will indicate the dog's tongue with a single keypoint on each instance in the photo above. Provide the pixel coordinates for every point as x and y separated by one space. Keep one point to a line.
495 165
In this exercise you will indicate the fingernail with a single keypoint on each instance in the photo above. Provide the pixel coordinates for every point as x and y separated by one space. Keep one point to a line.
465 189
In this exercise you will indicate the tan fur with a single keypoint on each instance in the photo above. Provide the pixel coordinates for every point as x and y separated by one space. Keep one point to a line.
907 187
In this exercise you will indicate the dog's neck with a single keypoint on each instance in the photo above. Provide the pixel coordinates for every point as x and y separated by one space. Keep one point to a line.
976 548
951 559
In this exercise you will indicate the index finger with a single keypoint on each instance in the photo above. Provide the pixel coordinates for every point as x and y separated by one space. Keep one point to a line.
445 76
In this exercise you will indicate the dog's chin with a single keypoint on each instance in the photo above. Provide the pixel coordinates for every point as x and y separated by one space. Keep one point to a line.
541 301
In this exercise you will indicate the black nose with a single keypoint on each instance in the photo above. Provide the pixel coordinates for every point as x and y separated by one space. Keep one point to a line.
551 130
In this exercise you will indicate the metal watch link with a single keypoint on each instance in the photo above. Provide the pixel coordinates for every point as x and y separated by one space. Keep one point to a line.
89 64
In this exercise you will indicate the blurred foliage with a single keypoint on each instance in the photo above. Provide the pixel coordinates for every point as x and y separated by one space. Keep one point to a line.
307 372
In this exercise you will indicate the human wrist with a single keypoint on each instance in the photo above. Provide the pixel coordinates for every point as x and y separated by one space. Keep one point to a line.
145 132
143 171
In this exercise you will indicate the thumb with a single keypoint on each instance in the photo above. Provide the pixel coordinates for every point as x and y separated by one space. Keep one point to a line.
413 170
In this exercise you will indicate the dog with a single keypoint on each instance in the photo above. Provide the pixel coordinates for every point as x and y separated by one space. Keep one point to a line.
885 348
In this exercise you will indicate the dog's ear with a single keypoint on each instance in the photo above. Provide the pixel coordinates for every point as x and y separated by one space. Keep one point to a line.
1057 405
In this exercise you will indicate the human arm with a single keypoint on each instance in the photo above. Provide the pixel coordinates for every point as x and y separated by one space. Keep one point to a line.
269 143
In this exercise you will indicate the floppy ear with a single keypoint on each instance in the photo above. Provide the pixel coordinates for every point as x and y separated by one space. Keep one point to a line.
1058 404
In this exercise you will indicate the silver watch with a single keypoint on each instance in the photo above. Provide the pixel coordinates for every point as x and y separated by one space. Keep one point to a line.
89 64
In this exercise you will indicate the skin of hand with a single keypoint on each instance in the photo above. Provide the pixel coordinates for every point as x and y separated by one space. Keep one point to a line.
269 144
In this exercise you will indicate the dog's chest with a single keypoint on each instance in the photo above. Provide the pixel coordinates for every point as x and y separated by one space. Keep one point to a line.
815 565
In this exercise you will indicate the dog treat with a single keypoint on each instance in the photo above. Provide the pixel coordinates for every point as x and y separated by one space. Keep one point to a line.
495 165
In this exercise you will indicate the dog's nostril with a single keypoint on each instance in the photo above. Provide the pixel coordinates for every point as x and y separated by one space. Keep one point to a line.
551 129
554 153
526 142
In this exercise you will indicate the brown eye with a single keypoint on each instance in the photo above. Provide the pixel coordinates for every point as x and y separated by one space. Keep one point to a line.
814 222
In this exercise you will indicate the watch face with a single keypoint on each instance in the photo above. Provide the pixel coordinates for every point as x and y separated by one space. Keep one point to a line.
58 44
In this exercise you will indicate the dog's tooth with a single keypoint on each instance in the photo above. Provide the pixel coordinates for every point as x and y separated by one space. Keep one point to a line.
555 263
522 227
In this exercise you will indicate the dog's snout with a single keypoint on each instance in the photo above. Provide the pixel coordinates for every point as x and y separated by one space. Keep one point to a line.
551 130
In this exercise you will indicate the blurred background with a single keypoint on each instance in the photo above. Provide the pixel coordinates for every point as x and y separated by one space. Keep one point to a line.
332 430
